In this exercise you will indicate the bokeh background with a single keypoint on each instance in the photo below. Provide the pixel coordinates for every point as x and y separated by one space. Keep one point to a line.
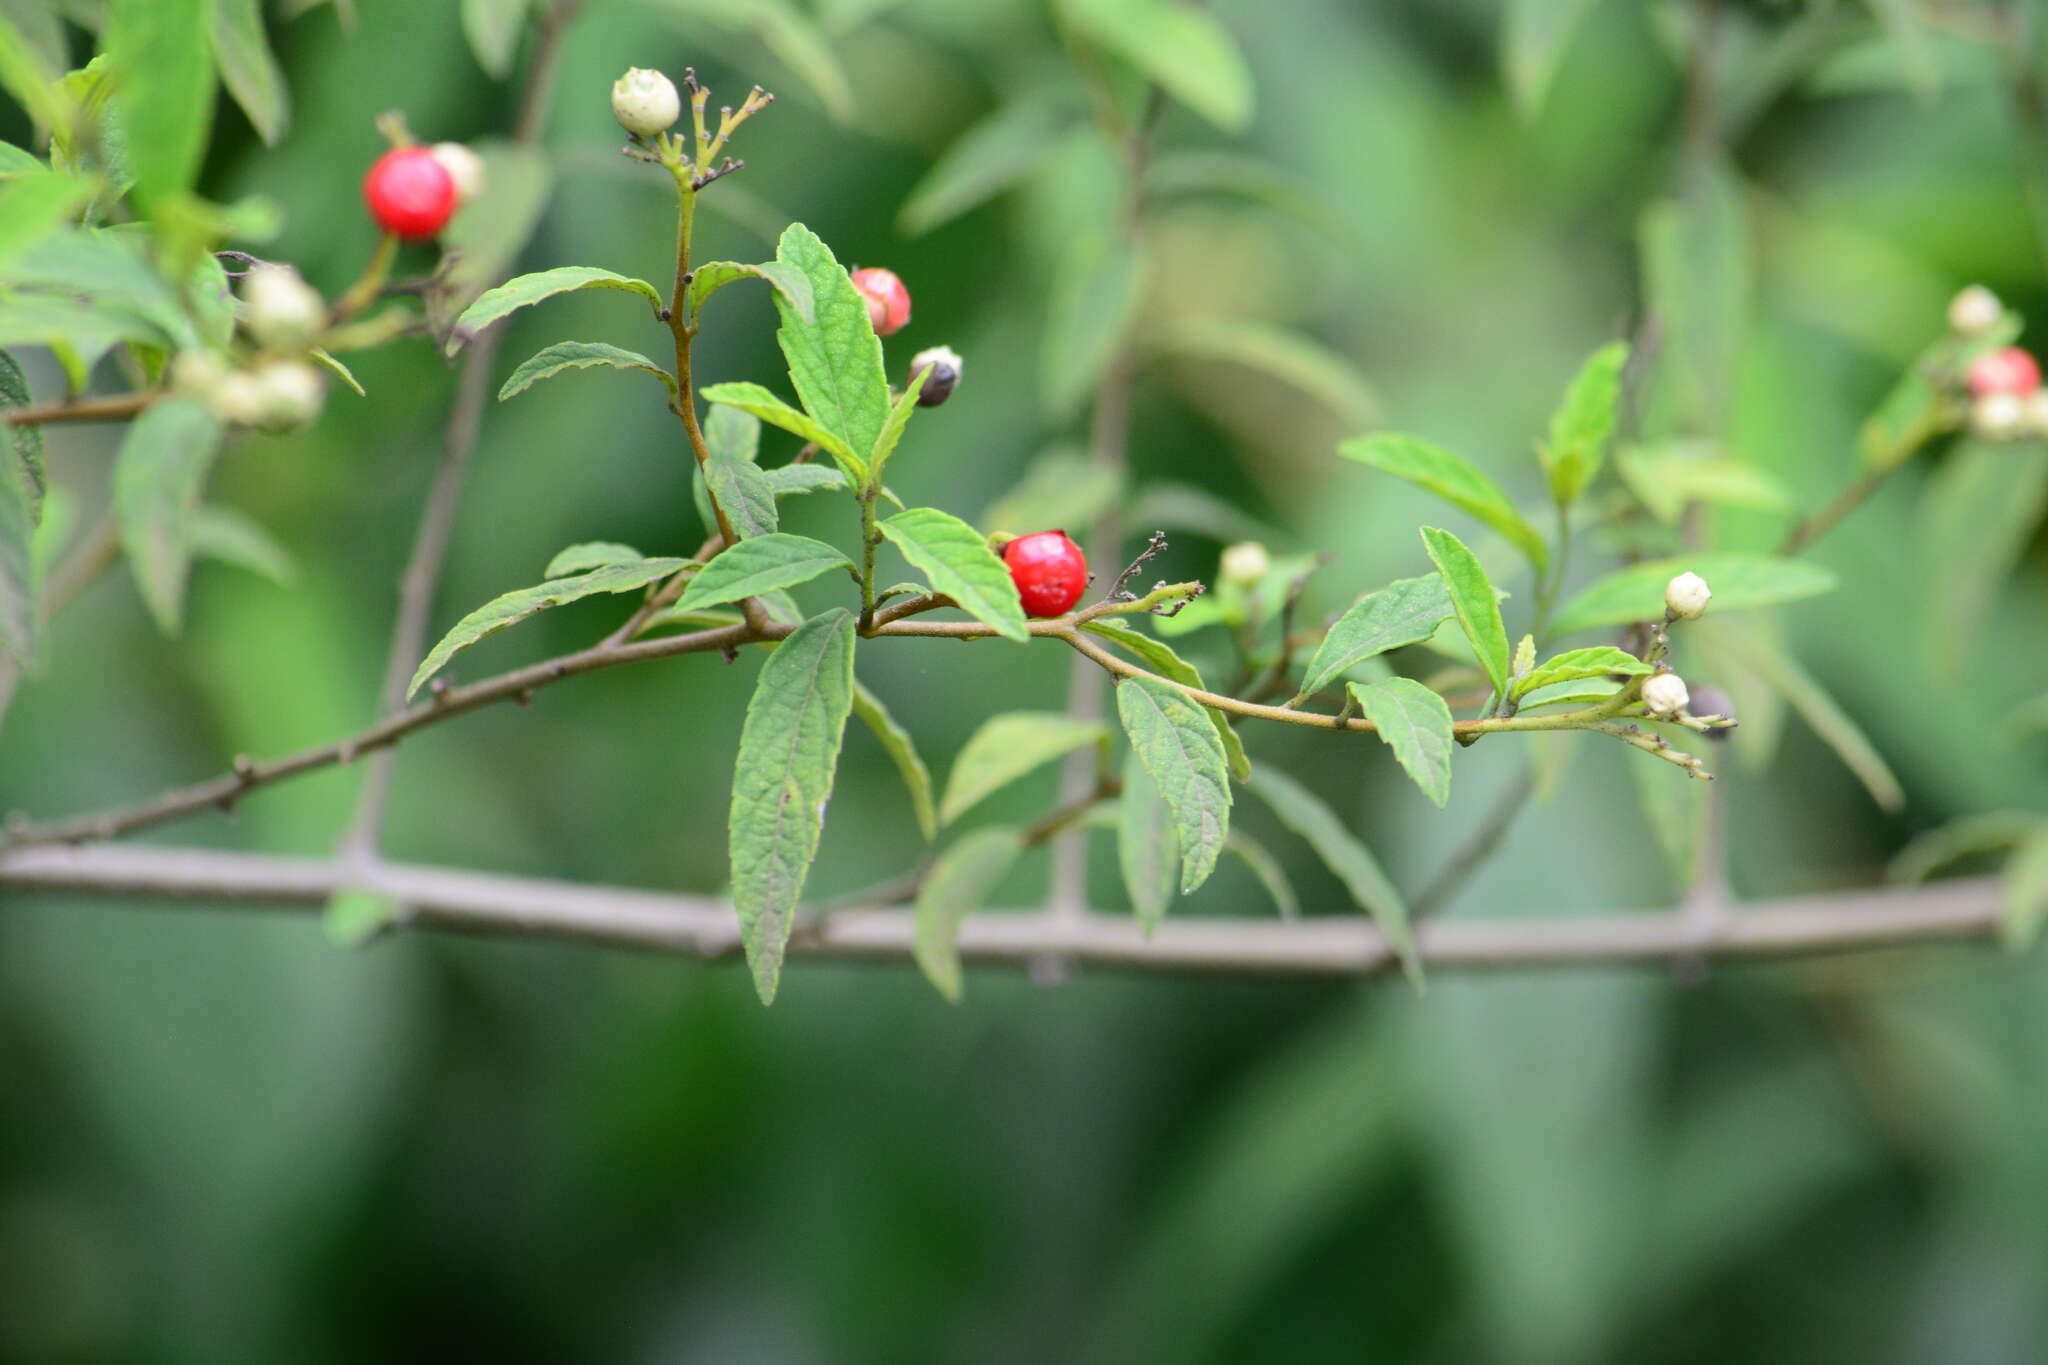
222 1138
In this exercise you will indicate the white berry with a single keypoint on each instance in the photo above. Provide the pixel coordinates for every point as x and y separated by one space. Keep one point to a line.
1246 562
464 167
1999 416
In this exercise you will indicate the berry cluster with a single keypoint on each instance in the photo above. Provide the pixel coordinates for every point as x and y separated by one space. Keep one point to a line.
2007 401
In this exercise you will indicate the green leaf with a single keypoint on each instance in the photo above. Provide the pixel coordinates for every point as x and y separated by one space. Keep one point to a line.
1405 612
733 433
801 46
1976 518
791 283
759 402
1168 505
33 205
1738 581
1583 423
984 161
1178 745
160 53
1304 813
492 28
789 751
526 290
1061 487
900 413
248 69
835 359
514 607
1969 837
354 916
742 489
1452 478
24 459
328 362
1535 35
109 273
590 554
1184 50
1299 362
26 74
1010 746
1089 304
488 233
581 355
1416 724
1160 658
956 561
958 884
1474 601
757 565
903 753
1697 271
1755 652
233 537
2026 893
159 475
1147 847
1267 869
1669 476
787 480
19 576
1574 664
1677 814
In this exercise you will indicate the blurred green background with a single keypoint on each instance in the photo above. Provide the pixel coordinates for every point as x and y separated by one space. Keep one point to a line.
223 1139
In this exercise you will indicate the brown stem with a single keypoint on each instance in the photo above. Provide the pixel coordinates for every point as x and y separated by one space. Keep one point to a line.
114 407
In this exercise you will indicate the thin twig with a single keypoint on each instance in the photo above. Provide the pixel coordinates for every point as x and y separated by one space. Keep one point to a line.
458 441
1478 849
1319 945
521 683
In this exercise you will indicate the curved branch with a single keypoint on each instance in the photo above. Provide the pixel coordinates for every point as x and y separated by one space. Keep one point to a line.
1323 945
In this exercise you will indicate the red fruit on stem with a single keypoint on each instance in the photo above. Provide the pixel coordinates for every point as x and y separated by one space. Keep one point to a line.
888 300
1049 570
410 193
2009 370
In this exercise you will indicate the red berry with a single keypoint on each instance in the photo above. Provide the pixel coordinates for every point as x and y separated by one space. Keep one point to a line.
888 300
2010 370
410 193
1049 570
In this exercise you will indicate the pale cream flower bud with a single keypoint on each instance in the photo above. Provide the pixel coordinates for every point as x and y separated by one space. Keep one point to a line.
280 309
292 394
196 374
464 167
645 102
1246 562
1974 311
1664 694
1999 416
1686 596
